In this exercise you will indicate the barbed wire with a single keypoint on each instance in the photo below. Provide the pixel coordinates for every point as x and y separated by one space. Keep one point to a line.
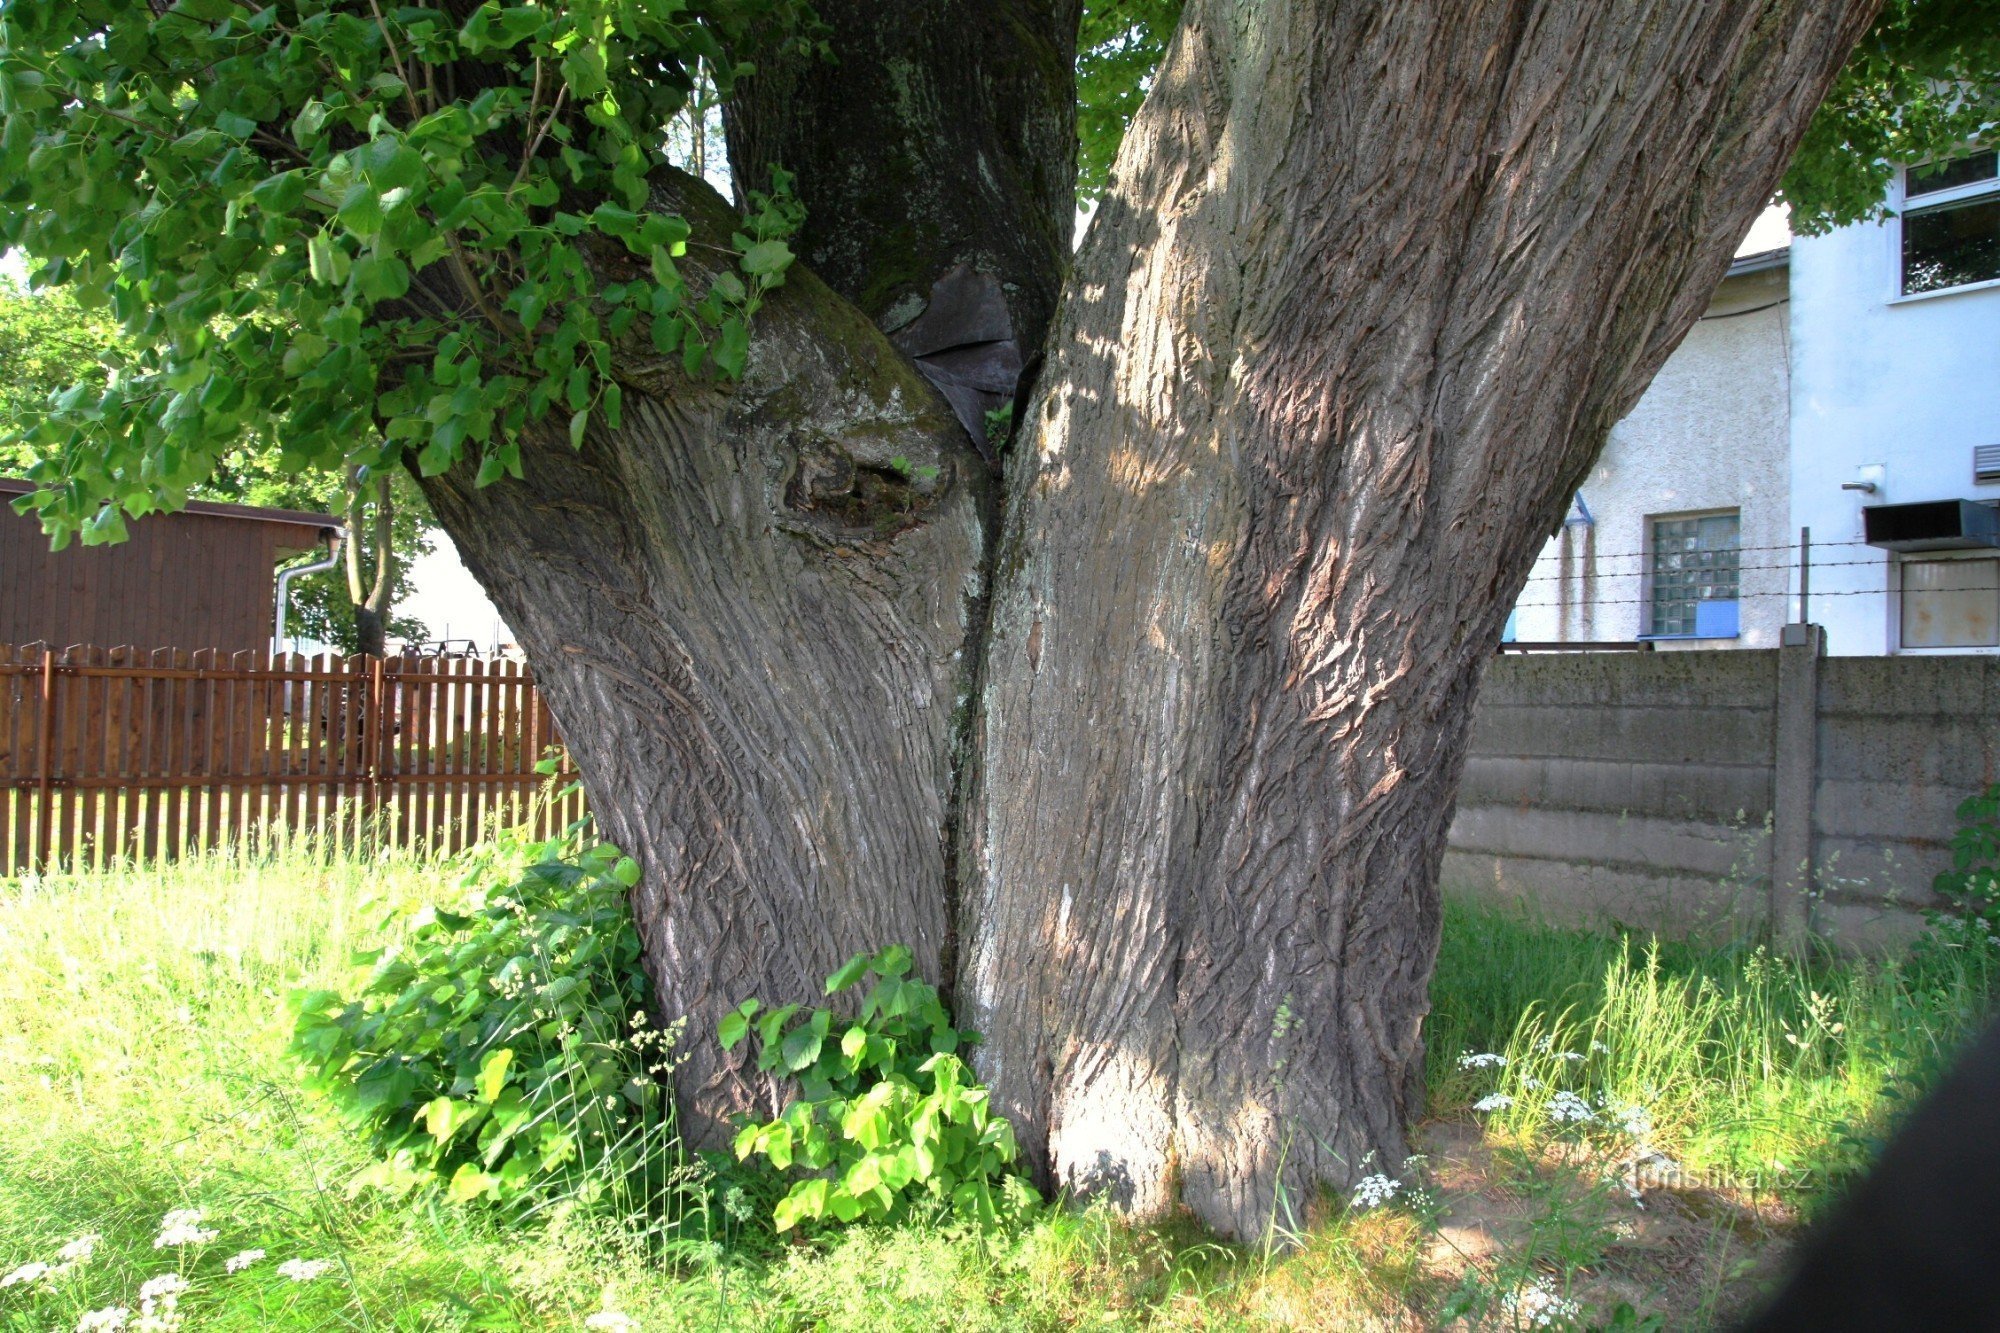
1792 545
1578 575
1583 604
1719 550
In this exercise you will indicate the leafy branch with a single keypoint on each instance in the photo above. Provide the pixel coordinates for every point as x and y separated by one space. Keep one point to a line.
290 222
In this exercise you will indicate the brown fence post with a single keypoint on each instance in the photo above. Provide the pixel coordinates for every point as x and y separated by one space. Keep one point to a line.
44 743
371 747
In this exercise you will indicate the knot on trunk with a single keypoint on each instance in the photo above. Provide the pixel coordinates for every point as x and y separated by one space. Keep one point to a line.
861 498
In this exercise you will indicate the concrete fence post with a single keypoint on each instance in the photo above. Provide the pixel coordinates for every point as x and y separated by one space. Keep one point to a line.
1794 776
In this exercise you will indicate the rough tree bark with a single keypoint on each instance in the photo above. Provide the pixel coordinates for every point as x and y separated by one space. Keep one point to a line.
1372 285
750 626
1161 788
760 638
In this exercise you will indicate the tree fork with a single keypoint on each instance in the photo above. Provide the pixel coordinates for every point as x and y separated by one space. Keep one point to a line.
1370 287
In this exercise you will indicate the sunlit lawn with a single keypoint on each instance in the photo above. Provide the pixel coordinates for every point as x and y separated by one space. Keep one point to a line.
142 1070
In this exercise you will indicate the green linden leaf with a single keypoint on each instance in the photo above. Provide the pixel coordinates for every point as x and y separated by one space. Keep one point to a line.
800 1048
732 347
281 177
767 259
493 1074
850 972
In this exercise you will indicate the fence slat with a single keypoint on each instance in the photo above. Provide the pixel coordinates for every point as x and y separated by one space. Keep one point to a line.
480 761
118 753
510 750
17 721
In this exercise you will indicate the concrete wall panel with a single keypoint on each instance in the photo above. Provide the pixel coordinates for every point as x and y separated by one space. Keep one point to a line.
1637 789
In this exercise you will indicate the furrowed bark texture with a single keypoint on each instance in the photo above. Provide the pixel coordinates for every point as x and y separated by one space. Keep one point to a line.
749 623
756 609
1371 285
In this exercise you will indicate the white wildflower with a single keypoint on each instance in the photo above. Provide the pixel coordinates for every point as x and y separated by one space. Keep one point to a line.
159 1299
611 1319
1484 1060
236 1263
1633 1120
165 1287
108 1320
183 1226
1493 1101
26 1275
1537 1305
1568 1055
1531 1084
1599 1048
1566 1108
305 1270
1374 1191
79 1250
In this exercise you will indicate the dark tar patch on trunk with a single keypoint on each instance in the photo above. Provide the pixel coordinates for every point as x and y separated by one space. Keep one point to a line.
964 344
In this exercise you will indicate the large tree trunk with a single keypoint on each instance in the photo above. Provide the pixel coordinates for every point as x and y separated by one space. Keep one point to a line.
1372 284
748 609
758 609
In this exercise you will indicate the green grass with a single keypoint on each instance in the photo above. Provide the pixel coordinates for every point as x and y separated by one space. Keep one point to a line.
142 1069
1753 1070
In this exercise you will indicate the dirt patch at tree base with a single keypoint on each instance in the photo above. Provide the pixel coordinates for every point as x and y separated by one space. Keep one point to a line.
1593 1232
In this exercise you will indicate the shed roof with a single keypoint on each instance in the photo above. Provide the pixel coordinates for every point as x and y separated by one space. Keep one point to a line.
213 509
1760 261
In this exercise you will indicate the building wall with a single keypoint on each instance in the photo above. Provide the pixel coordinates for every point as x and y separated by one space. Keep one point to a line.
1710 433
1904 387
1638 788
180 581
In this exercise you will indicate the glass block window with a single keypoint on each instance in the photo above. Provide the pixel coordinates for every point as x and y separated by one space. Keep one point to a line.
1951 225
1951 603
1693 569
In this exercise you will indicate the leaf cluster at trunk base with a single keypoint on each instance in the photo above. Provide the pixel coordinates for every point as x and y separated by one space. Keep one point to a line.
888 1115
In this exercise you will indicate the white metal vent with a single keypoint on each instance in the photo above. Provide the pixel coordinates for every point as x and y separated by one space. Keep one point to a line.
1986 464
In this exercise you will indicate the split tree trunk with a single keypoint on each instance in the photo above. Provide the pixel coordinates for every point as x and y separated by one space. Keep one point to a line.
1372 284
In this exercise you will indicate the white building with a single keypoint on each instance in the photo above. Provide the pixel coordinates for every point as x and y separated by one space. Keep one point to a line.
1858 372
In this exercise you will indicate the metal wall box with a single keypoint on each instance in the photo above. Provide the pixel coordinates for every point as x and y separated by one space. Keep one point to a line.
1932 525
1986 464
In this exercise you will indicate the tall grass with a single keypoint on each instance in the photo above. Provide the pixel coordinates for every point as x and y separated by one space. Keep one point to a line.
143 1028
1749 1068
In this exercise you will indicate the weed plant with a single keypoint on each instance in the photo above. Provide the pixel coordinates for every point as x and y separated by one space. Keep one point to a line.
1737 1067
144 1072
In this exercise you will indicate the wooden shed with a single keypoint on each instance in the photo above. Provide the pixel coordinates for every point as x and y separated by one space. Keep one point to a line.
201 578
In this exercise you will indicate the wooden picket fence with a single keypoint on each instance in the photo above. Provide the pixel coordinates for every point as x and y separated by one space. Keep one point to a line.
119 753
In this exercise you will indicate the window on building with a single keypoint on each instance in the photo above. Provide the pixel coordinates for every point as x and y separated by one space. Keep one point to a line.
1693 592
1951 603
1951 223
